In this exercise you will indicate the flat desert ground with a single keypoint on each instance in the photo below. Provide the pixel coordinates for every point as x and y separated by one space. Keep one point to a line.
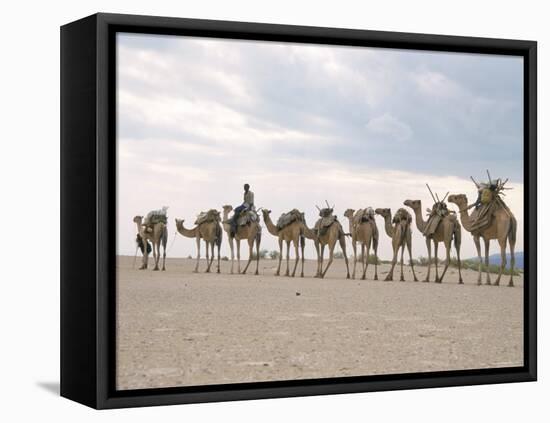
178 328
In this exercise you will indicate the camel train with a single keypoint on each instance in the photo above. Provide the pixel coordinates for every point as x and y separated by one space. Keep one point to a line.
490 219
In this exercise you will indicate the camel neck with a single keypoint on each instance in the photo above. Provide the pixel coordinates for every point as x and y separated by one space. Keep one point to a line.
387 226
189 233
420 223
271 228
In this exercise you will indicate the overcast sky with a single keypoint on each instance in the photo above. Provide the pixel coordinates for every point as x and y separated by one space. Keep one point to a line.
197 118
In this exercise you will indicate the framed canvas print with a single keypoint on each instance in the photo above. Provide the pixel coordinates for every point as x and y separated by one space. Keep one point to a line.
256 211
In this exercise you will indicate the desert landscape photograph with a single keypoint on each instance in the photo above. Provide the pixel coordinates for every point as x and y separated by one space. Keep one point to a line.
298 211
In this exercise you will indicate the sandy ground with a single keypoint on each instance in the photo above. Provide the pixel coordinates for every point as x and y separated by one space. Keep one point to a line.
177 328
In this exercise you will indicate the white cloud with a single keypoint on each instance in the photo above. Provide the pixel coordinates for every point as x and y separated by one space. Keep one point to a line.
387 124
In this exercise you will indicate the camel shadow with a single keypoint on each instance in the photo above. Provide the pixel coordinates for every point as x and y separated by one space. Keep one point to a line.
51 387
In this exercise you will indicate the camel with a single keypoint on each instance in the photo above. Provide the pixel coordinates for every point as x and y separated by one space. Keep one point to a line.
328 239
502 227
401 236
251 232
364 233
158 236
211 233
290 233
447 230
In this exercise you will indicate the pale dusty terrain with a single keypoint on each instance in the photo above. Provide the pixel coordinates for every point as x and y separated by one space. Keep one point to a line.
177 328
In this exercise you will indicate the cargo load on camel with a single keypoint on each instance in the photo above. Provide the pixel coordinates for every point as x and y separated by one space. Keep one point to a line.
438 211
154 217
247 217
488 201
287 218
402 216
211 215
363 215
325 222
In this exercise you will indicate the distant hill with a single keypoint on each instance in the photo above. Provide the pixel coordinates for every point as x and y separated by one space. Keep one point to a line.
495 259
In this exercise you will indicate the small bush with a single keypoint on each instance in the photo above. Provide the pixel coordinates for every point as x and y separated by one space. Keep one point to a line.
225 258
274 255
263 254
189 256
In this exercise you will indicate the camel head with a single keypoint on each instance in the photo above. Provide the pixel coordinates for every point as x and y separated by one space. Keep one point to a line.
138 219
266 212
383 212
413 204
459 199
349 213
227 208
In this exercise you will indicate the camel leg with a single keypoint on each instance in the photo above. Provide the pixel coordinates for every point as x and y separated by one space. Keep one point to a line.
211 255
232 247
330 259
145 258
457 248
287 273
297 252
447 259
486 242
238 242
389 276
250 253
478 248
257 239
342 241
365 265
156 254
436 245
198 240
321 256
502 244
208 262
402 277
354 246
409 247
302 246
218 245
164 255
278 272
375 248
429 247
512 242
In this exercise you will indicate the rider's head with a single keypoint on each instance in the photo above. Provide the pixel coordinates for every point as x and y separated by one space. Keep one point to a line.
246 187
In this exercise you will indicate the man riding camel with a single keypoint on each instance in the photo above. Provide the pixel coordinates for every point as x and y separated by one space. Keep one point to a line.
248 204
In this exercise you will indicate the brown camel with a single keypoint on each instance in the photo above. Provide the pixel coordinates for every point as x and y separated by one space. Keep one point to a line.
252 232
447 230
401 236
158 235
290 233
327 237
364 233
502 227
211 233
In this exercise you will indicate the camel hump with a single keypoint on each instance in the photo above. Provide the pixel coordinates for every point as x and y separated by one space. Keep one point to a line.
290 217
211 215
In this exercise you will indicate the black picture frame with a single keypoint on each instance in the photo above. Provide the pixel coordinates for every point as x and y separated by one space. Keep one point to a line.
88 209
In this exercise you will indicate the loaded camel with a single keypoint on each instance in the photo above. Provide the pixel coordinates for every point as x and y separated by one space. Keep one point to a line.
252 232
400 233
448 229
211 233
158 235
502 227
292 232
363 232
327 236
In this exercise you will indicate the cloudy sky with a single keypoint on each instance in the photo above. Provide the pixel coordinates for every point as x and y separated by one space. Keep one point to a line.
198 117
